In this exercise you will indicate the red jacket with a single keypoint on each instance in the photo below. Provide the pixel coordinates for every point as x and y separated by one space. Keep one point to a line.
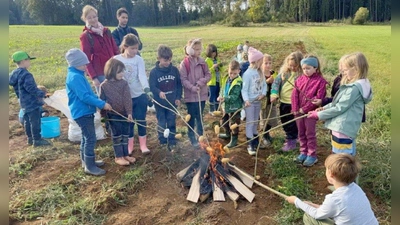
103 49
312 87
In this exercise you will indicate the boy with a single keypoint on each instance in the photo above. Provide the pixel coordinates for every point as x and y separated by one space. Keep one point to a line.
30 98
123 28
165 83
82 103
348 204
231 96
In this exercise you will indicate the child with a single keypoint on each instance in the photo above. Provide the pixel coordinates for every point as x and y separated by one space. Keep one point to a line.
344 114
308 86
123 28
215 67
348 204
82 103
282 88
30 98
246 46
238 56
135 74
254 89
231 96
165 83
194 76
244 65
266 106
115 91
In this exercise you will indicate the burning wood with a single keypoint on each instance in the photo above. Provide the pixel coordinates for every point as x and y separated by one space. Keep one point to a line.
212 175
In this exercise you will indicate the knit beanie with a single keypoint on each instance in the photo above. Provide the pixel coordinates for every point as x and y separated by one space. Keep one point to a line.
75 57
254 55
311 61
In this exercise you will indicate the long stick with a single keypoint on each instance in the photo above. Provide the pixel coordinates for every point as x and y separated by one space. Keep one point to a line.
258 146
259 183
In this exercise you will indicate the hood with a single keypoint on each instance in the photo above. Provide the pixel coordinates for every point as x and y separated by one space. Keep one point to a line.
14 75
163 69
364 87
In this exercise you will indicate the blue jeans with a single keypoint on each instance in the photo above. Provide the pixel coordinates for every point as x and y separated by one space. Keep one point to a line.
214 92
32 124
139 109
101 78
120 132
166 119
86 123
195 118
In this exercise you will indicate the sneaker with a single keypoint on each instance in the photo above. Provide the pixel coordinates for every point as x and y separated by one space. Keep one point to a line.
289 145
310 160
40 142
30 141
250 150
300 158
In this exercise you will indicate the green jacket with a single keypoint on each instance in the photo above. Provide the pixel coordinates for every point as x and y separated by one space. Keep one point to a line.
344 113
210 63
233 99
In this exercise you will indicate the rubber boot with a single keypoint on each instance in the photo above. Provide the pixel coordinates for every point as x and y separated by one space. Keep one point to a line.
131 142
91 168
143 146
130 159
40 142
98 162
250 148
225 136
233 142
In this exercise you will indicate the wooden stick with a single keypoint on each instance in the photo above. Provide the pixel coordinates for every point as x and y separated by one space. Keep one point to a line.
194 192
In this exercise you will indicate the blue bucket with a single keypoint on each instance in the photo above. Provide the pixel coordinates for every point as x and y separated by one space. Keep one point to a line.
50 127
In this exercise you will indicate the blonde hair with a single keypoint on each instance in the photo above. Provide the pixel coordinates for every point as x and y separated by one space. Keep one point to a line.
296 57
85 11
344 167
267 57
359 62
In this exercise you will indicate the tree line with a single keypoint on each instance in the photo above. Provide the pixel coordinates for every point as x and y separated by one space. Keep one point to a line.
196 12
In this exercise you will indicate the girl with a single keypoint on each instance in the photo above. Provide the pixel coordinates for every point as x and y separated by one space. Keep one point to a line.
97 43
254 89
282 88
230 95
194 77
308 86
115 91
344 114
135 74
215 66
266 105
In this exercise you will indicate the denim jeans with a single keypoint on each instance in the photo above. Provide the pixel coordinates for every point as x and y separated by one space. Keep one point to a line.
101 78
88 142
32 124
166 119
139 109
120 131
195 118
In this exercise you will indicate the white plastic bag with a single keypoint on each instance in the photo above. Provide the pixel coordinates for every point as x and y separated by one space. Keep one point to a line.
59 101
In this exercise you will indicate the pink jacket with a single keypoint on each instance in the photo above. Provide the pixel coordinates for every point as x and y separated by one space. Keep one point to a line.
198 76
312 87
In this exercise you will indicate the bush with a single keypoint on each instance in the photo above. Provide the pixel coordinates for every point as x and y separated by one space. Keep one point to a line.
361 16
194 23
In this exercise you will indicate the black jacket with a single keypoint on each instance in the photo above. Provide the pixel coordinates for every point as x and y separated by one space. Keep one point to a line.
119 33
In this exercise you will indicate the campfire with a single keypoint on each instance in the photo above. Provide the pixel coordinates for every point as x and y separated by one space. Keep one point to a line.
211 174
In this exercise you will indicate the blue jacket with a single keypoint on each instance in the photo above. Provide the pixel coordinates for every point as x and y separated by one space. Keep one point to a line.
167 80
81 99
344 113
30 97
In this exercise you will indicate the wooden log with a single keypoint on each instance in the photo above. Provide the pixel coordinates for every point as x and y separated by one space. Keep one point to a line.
241 188
180 175
194 192
218 194
245 179
232 195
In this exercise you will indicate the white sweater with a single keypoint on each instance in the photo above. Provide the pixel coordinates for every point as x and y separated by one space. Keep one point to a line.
346 205
135 74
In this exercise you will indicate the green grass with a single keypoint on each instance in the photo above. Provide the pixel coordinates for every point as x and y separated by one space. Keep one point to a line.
328 41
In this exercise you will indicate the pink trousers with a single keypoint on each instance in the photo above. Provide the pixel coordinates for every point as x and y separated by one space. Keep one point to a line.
307 136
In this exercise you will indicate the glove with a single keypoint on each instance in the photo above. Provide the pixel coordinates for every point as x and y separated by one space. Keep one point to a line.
148 93
313 115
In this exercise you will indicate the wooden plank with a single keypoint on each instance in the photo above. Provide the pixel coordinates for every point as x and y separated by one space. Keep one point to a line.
245 179
241 188
180 175
194 192
232 195
218 194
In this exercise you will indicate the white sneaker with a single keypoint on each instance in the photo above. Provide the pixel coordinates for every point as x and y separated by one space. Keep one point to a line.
250 150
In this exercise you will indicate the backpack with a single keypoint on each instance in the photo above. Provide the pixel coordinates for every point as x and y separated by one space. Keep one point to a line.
187 64
91 41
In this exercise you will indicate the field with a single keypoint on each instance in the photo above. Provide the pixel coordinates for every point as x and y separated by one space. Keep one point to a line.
47 185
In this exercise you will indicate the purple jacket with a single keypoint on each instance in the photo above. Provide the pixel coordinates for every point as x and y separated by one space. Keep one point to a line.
310 87
197 76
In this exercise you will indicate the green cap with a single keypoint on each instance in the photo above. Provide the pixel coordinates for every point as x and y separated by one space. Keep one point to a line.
21 55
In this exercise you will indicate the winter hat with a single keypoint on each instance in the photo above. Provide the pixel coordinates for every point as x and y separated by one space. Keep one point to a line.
75 57
254 55
311 61
239 47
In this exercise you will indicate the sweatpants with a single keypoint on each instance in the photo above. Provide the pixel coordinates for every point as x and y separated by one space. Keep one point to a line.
307 136
252 117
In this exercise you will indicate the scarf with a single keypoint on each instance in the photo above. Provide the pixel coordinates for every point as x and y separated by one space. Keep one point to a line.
98 30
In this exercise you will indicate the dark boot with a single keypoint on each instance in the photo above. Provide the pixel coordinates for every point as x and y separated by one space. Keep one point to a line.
250 148
98 162
233 142
255 142
91 168
30 141
40 142
225 136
